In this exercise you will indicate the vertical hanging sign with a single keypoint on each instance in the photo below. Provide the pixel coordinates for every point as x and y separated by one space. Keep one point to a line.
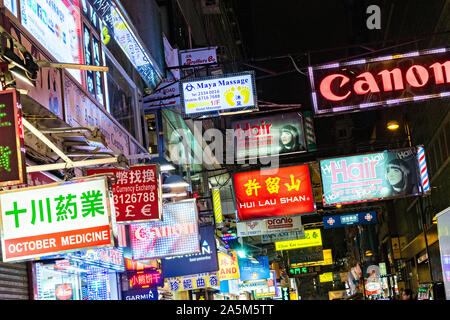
12 150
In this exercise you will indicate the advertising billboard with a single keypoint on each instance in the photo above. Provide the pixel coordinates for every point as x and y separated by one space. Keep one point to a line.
376 82
136 193
254 269
194 281
228 266
177 234
213 95
54 218
270 135
57 26
352 219
12 149
204 261
269 226
144 279
140 294
270 193
369 177
313 237
282 236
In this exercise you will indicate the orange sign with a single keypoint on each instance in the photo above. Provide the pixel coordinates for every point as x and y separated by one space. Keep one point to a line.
228 266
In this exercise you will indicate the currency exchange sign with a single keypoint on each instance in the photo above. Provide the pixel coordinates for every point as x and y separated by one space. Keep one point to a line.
12 150
137 195
55 218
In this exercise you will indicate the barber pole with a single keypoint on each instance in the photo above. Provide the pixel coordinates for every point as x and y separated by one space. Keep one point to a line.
309 131
423 170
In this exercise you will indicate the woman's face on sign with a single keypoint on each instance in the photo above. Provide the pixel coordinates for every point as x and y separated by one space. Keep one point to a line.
286 137
394 175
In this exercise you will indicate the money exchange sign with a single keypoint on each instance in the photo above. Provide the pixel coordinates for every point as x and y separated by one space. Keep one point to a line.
53 218
136 193
269 193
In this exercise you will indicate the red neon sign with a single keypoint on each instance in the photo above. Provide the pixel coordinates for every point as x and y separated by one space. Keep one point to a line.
145 279
267 194
361 84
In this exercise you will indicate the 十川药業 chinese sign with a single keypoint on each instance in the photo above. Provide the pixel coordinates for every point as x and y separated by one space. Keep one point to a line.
136 193
265 194
58 217
12 150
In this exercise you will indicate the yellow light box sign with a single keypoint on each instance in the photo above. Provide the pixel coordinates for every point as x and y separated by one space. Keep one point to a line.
326 277
313 238
327 260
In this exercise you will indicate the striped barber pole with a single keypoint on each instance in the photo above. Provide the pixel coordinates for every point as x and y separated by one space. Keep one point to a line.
423 169
309 131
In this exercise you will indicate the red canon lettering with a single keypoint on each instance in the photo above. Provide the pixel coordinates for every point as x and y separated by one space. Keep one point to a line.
416 76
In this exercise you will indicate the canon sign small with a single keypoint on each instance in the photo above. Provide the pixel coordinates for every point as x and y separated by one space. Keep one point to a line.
278 223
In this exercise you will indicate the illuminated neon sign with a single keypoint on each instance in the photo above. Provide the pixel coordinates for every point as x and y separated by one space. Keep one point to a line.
368 83
144 279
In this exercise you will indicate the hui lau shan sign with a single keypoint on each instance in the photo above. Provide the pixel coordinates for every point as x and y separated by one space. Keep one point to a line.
367 83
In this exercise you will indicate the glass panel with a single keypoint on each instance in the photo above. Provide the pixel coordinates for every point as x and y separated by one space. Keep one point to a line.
98 76
88 54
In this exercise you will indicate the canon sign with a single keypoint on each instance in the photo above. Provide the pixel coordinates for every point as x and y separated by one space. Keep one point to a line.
362 84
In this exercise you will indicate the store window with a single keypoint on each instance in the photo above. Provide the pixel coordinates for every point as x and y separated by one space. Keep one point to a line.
121 96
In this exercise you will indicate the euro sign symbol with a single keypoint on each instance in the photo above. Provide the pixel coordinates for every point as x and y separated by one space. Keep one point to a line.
146 210
128 211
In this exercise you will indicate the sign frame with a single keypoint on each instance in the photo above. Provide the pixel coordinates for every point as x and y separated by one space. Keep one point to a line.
110 212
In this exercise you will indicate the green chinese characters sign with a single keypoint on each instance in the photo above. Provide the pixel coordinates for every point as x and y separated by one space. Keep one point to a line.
369 177
12 151
55 218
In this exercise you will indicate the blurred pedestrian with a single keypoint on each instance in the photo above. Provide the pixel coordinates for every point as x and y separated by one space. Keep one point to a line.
407 294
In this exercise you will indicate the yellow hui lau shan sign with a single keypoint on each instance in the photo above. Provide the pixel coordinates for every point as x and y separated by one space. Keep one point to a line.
313 238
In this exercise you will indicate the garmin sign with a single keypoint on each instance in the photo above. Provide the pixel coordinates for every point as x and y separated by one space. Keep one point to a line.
367 83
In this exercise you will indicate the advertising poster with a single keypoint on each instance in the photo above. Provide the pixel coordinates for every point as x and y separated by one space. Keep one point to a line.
352 219
195 281
177 234
12 148
271 135
251 270
228 93
204 261
370 177
269 226
270 193
136 193
55 218
57 26
374 82
228 266
140 294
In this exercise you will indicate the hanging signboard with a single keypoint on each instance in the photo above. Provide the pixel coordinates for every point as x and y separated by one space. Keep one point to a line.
269 226
251 270
263 194
282 236
370 177
198 56
271 135
177 234
326 277
195 281
271 289
228 266
313 237
301 271
144 279
55 218
204 261
305 255
12 149
327 260
137 193
349 219
214 95
140 294
377 82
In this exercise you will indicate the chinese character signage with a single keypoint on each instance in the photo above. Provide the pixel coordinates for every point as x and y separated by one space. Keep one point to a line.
12 150
204 261
349 219
177 234
58 217
272 288
57 26
137 193
195 281
272 135
327 260
300 271
269 226
369 177
214 95
313 237
269 193
228 266
282 236
251 270
144 279
306 255
375 82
